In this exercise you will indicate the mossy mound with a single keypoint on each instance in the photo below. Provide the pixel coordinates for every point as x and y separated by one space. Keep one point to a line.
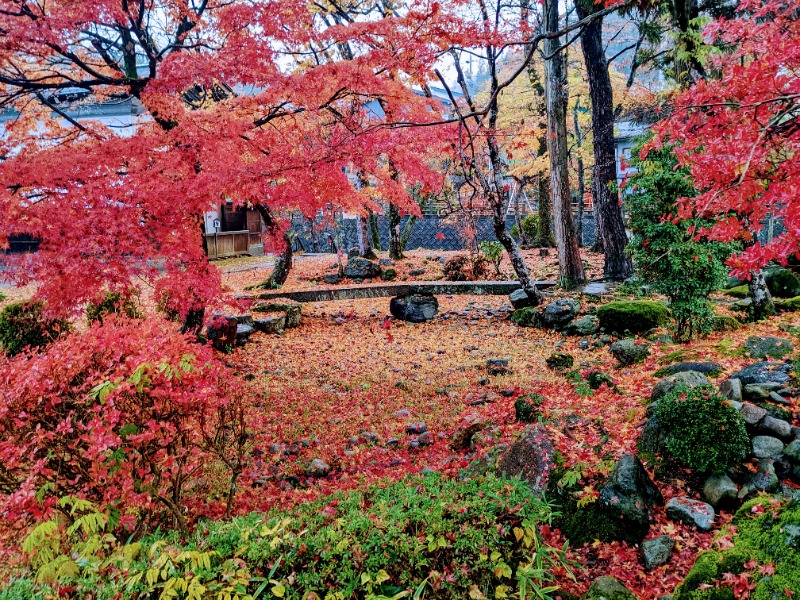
727 323
636 316
526 407
782 283
740 291
788 305
768 532
526 317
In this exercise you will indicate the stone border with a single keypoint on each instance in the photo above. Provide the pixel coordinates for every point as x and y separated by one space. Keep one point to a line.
491 288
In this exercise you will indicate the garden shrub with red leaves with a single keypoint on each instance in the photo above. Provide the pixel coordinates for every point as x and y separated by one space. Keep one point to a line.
130 415
466 267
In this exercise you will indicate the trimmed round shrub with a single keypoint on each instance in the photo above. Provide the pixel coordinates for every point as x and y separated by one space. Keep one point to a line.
465 267
704 432
636 316
113 303
526 408
22 325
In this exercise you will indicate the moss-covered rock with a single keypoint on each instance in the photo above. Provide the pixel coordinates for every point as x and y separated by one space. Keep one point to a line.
740 291
389 274
607 588
526 408
788 305
560 361
636 316
782 283
527 317
768 531
726 323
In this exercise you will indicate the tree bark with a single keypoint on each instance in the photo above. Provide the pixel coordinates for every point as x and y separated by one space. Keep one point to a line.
761 305
407 230
395 242
569 257
364 239
581 176
372 218
607 208
515 256
283 262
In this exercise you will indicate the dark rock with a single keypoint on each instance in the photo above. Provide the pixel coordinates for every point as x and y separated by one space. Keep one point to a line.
425 439
752 414
653 438
588 325
657 551
628 352
271 323
520 299
221 332
361 268
720 491
771 426
782 283
764 372
415 308
559 361
765 446
243 332
731 389
386 262
245 319
763 480
497 366
331 278
778 399
710 369
767 347
596 379
607 588
756 391
559 312
463 434
691 512
628 495
530 457
416 272
293 310
793 451
417 428
690 379
353 253
318 468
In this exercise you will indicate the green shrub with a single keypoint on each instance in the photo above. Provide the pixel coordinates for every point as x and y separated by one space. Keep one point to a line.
22 325
666 251
704 432
389 274
526 408
447 539
766 532
782 283
635 316
493 252
530 228
112 303
526 317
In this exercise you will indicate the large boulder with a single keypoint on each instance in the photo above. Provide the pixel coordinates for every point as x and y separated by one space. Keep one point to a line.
767 347
709 368
274 322
690 379
530 458
720 491
293 310
764 373
527 317
607 588
588 325
628 352
415 308
627 496
691 512
657 552
782 283
636 316
520 299
361 268
559 312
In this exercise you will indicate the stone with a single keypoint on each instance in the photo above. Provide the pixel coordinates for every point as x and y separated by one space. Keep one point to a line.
596 379
271 323
653 438
793 451
709 368
293 310
691 512
690 379
243 332
607 588
417 428
559 312
767 347
765 479
424 439
764 372
318 468
782 283
628 352
497 366
520 299
755 391
588 325
331 278
752 414
462 437
245 319
720 491
386 262
765 446
361 268
416 272
560 361
657 551
770 426
635 316
414 308
628 494
222 332
731 389
530 457
778 399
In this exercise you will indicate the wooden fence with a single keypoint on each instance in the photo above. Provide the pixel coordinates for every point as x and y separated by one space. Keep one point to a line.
227 243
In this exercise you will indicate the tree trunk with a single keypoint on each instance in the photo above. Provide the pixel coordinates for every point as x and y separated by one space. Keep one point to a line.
395 243
607 208
569 257
283 262
761 305
545 233
407 230
515 256
373 230
581 177
364 239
